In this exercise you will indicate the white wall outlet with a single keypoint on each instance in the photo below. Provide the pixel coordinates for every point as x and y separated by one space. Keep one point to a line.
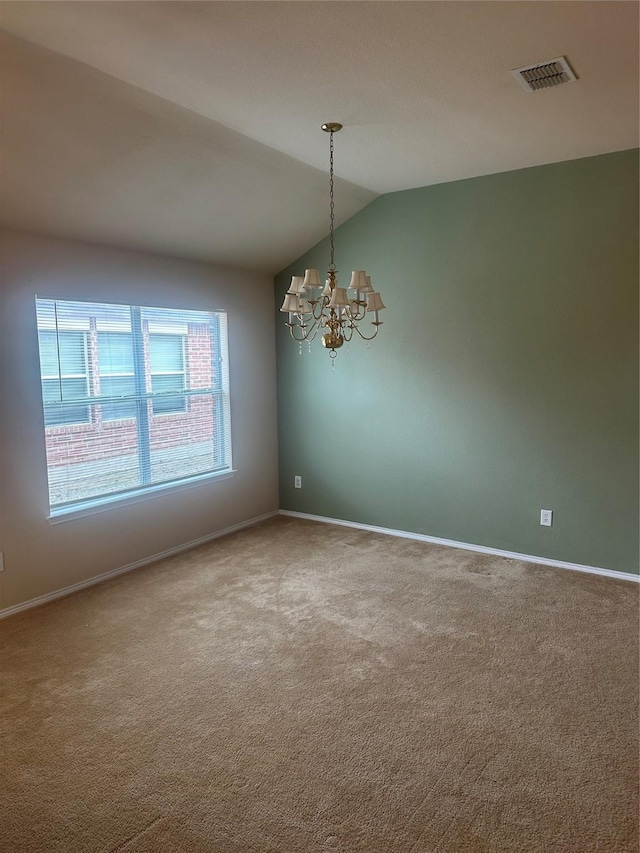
297 482
546 517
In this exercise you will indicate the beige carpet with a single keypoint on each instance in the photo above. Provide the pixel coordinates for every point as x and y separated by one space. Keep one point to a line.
302 687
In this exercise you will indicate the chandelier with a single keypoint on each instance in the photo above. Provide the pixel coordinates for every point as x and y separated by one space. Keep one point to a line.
336 312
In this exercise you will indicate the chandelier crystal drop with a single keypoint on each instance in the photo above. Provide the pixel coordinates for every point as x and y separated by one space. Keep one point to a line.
335 312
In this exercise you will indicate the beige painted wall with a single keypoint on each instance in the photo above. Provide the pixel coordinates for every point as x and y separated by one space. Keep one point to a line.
41 557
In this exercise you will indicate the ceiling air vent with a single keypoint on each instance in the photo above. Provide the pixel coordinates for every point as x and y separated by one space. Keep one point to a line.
544 75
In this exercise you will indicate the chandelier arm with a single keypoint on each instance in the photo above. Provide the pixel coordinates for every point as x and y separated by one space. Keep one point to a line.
318 307
293 326
320 313
368 337
312 333
306 336
357 317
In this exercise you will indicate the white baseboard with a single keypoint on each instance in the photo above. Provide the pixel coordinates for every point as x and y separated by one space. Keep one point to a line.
387 531
59 593
480 549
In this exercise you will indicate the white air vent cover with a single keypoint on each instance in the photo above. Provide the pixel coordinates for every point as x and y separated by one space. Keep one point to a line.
544 75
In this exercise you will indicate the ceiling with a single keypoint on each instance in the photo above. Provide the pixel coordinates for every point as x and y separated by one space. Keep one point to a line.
192 128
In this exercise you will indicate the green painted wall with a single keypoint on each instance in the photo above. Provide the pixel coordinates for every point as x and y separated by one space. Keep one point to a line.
505 376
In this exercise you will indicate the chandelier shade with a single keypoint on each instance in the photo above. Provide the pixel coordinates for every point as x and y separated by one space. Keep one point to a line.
291 303
297 284
339 298
311 279
360 281
335 314
374 302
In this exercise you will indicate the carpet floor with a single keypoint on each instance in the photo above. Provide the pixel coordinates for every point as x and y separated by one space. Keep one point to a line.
306 688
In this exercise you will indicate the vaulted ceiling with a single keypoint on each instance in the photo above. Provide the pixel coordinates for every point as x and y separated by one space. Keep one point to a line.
193 128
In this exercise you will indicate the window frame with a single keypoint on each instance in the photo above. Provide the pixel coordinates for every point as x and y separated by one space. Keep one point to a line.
217 391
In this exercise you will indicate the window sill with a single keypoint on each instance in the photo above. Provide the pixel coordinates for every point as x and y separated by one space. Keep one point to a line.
92 507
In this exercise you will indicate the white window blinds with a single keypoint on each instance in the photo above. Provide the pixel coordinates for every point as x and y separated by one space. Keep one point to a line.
133 398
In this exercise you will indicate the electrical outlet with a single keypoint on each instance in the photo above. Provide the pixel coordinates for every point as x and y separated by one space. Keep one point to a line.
546 517
1 561
297 482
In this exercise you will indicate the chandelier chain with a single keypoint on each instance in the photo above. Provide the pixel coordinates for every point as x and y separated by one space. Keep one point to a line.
332 265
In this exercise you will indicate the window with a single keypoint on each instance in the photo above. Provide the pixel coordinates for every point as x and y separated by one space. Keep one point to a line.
63 368
134 398
117 376
166 362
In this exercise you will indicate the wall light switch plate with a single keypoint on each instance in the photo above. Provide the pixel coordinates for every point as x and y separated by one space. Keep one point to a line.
1 561
546 517
297 482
